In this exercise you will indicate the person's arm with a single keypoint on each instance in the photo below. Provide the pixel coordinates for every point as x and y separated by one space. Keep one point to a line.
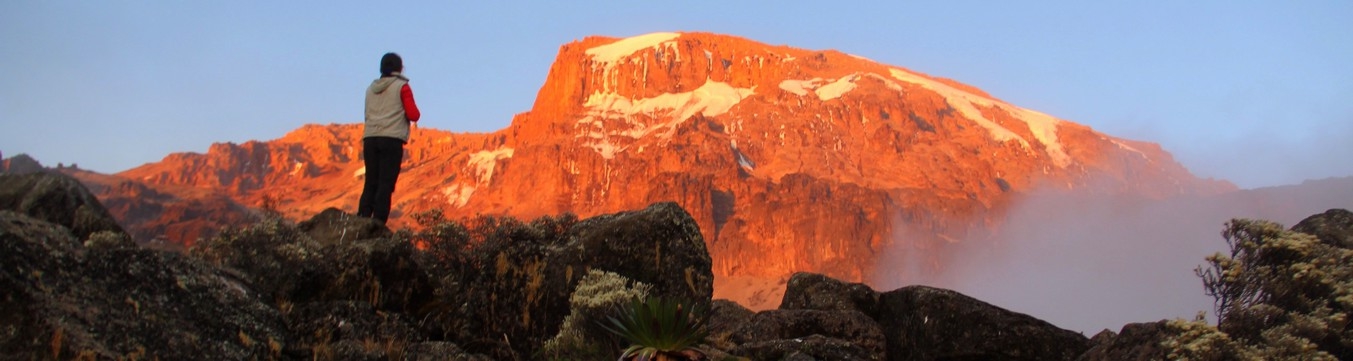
410 108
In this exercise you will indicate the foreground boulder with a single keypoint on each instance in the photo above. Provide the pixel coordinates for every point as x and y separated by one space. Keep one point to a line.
1334 227
925 323
822 335
64 302
333 226
56 198
811 291
827 319
516 292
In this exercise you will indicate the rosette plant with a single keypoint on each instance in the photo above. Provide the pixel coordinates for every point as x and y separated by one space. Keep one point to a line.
660 329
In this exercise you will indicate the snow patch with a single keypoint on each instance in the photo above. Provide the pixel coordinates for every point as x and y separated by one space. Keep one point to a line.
800 87
484 162
711 99
837 88
359 173
832 88
614 52
297 168
457 195
1043 126
1129 148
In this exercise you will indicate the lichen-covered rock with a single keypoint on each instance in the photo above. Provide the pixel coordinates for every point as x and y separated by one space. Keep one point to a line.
278 260
808 291
333 226
62 302
56 198
1334 227
109 240
850 331
290 266
517 291
660 245
925 323
382 271
440 351
318 326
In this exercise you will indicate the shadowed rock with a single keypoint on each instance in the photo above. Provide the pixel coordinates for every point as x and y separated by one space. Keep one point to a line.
725 317
1147 341
827 335
64 302
810 291
1334 227
924 323
333 226
56 198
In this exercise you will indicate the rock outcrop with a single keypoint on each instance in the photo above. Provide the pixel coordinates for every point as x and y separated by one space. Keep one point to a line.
827 319
336 288
1334 227
56 198
924 323
64 302
20 164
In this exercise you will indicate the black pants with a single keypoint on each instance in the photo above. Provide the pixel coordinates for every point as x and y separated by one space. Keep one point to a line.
383 156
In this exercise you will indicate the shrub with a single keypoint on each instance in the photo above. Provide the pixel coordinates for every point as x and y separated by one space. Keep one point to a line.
1284 293
581 336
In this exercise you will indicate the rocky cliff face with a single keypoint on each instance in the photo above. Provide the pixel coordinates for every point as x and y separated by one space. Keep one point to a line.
788 159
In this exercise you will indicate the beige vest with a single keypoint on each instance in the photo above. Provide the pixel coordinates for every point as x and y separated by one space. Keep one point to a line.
385 110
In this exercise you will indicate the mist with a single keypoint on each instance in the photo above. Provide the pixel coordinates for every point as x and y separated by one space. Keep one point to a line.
1092 263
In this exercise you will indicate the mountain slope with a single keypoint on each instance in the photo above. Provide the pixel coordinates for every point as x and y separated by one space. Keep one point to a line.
789 159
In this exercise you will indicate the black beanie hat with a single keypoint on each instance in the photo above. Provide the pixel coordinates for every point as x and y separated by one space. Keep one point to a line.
391 63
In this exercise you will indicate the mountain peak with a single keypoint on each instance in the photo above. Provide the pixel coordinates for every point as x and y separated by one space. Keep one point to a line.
789 159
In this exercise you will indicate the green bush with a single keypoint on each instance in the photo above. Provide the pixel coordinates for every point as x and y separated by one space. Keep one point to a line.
581 336
1284 293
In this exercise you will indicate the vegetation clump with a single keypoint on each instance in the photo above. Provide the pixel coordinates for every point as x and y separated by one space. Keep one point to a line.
1284 294
581 337
661 329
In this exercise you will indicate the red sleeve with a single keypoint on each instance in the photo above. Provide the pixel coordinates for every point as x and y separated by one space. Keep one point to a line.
410 108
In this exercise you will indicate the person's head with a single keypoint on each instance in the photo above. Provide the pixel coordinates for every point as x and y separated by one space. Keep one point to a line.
391 63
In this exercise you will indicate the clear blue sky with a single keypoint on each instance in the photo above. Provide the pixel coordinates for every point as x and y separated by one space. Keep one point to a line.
1256 92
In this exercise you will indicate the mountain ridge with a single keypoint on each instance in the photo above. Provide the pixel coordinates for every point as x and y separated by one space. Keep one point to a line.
789 159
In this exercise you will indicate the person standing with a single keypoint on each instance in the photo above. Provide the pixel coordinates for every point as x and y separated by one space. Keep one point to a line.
390 110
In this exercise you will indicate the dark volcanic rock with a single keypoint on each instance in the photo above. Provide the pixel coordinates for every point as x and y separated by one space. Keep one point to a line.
810 348
62 302
838 332
333 226
56 198
440 351
517 291
809 291
317 324
1147 342
924 323
1334 227
660 245
275 257
289 266
725 317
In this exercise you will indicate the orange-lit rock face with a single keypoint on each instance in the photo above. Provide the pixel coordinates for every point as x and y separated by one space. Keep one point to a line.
790 159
